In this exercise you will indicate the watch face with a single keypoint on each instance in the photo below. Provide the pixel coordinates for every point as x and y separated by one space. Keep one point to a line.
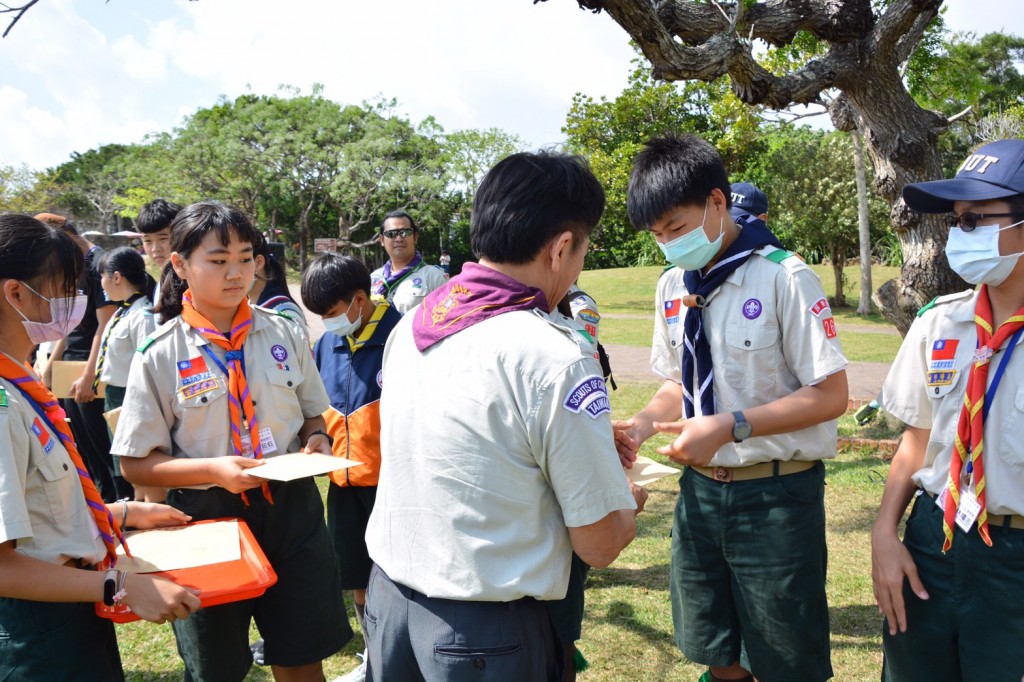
741 430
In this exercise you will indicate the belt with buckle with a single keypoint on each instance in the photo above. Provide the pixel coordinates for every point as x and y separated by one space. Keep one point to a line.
754 471
999 520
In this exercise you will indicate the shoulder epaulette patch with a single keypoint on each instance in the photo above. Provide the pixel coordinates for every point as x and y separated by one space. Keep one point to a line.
585 334
667 267
281 313
3 397
779 255
145 344
927 306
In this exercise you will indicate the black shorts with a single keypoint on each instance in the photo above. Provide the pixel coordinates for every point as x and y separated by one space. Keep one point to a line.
301 618
348 512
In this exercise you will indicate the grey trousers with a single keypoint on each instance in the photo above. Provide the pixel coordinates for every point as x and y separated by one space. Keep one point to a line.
412 637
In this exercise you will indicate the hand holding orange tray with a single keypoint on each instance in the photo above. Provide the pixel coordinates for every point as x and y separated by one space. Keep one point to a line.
246 577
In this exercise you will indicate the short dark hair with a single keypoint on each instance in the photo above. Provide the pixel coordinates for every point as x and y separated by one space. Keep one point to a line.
156 215
332 277
398 214
673 171
188 230
34 252
528 199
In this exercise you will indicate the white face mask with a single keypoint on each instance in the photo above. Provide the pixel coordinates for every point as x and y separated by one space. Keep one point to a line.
341 325
975 255
65 314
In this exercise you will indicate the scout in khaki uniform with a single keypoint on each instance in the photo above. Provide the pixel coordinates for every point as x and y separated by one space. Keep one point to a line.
219 386
745 340
55 532
951 590
406 278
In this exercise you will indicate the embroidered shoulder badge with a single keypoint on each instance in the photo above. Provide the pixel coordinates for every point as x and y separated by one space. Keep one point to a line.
590 395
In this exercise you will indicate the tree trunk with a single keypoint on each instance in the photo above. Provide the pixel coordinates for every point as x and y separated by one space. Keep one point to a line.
839 300
863 225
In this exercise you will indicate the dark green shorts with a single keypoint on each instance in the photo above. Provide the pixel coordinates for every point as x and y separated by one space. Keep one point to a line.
748 574
50 641
348 512
567 613
971 627
301 618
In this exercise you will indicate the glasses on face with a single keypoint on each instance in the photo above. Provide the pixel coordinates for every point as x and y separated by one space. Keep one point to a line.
968 220
402 232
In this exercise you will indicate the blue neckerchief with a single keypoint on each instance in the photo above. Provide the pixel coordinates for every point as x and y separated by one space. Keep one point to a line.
753 235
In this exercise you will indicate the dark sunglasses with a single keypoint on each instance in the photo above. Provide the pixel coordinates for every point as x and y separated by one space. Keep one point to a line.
395 234
968 221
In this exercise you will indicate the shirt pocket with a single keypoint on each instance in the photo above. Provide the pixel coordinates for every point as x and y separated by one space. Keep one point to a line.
1011 449
57 472
203 414
751 356
283 386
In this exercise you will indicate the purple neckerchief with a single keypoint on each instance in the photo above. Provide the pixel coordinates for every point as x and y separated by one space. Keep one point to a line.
391 279
478 293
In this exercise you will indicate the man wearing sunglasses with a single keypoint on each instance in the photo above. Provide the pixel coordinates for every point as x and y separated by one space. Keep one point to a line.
406 278
950 591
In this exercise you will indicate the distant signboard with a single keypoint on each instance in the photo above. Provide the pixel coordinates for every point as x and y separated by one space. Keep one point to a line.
325 245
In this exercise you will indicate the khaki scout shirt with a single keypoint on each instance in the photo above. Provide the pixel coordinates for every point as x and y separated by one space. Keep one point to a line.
477 490
926 388
131 330
178 404
42 505
771 332
412 289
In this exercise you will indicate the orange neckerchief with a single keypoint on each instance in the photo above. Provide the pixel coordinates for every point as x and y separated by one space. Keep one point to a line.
970 428
35 391
239 398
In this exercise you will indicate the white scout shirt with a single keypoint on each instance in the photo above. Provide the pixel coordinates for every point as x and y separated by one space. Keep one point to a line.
926 388
42 505
412 289
135 325
477 491
176 399
771 332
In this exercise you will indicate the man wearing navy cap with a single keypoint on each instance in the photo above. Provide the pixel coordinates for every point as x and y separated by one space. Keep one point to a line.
747 199
950 591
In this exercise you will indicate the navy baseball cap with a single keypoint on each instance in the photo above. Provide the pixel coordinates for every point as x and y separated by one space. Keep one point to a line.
747 199
993 171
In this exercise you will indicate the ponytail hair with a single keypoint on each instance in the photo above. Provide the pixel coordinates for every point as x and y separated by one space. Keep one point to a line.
188 229
132 267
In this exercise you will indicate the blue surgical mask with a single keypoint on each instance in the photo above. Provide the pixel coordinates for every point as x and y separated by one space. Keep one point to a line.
341 325
693 250
975 255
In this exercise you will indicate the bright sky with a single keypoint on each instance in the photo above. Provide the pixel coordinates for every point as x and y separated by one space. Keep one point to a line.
81 73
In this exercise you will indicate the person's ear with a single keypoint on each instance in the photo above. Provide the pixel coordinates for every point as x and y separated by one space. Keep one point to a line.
260 262
559 250
178 263
15 292
117 278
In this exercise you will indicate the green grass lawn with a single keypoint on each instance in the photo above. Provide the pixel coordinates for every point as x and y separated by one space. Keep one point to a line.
627 634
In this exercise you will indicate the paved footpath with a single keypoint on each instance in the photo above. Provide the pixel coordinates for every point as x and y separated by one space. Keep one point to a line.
633 363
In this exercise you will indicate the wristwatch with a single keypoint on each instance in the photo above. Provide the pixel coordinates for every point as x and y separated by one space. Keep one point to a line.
330 441
741 429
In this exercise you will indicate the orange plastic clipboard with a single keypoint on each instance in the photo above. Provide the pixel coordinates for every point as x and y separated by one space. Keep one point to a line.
222 583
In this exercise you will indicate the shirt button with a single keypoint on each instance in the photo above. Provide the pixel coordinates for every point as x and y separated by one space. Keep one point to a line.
673 343
65 467
203 399
747 343
289 384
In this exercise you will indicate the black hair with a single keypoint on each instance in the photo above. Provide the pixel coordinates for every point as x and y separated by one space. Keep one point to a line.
399 214
34 252
132 267
277 279
528 199
156 215
673 171
332 277
188 229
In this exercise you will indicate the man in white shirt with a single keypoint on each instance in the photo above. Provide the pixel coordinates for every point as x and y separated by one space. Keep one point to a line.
484 496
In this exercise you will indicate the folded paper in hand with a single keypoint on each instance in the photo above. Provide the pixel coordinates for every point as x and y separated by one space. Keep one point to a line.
299 465
646 471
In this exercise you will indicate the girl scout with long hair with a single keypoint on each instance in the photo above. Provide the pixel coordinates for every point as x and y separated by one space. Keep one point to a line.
57 538
219 386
